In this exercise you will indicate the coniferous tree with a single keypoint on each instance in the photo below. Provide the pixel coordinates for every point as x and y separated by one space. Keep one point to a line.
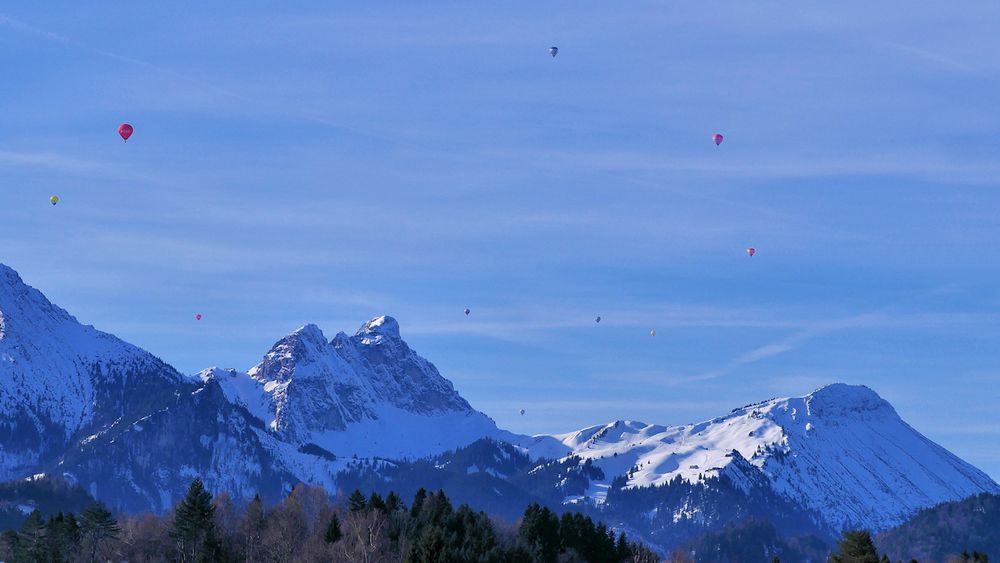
11 544
31 539
375 502
63 537
98 532
333 532
356 502
855 547
418 502
393 503
540 531
193 530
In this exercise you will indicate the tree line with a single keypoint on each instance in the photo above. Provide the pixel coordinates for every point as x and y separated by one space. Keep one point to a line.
306 526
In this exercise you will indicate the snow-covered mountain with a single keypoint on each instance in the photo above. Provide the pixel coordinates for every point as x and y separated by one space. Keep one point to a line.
841 451
133 431
61 381
87 406
364 395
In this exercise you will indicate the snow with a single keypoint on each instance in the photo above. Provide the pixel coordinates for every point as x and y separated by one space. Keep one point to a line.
52 365
849 455
841 450
369 395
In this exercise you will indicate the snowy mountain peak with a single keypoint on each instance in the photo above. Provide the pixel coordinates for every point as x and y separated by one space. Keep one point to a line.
304 346
310 391
377 330
835 451
843 400
59 378
214 373
22 306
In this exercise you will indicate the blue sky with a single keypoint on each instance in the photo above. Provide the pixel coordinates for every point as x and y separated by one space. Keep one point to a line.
330 162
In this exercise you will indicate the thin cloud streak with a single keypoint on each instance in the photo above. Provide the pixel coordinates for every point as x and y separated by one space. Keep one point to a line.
73 165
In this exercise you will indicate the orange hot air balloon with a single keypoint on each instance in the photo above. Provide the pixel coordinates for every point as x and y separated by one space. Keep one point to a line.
125 130
751 251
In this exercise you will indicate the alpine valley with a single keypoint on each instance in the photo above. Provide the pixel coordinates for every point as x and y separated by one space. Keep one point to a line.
365 411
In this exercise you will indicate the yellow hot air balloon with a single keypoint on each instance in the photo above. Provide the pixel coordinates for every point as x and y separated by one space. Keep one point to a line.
54 199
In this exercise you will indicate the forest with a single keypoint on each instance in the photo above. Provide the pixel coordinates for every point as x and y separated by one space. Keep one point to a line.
307 526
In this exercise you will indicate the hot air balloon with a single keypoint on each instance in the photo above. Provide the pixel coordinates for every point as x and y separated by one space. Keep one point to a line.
598 319
467 311
717 138
197 317
553 51
652 332
54 199
751 251
522 412
125 130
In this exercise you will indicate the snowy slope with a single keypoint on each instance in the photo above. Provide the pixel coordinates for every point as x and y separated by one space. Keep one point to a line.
59 378
365 395
841 451
133 431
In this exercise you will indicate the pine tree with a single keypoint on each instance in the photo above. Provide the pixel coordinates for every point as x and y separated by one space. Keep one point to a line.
11 544
855 547
31 538
333 532
193 530
540 530
63 537
356 502
98 531
375 502
418 502
393 503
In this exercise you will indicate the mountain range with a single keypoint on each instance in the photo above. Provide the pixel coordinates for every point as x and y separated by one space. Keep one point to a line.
367 411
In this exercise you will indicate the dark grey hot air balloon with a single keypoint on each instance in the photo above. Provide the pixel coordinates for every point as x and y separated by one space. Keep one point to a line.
553 51
467 311
598 319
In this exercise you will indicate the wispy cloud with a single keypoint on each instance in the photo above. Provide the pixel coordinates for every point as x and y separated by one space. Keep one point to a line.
190 81
938 60
773 164
74 165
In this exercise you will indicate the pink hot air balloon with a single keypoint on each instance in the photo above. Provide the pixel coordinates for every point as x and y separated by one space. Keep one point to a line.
717 138
197 317
751 251
125 130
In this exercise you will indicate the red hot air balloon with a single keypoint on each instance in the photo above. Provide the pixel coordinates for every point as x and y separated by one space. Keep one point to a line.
197 317
751 251
717 138
125 130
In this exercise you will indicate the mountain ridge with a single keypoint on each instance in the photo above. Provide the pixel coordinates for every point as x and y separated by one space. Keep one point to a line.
89 407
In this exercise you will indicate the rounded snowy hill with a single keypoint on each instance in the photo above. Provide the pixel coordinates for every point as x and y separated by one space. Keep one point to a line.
841 451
